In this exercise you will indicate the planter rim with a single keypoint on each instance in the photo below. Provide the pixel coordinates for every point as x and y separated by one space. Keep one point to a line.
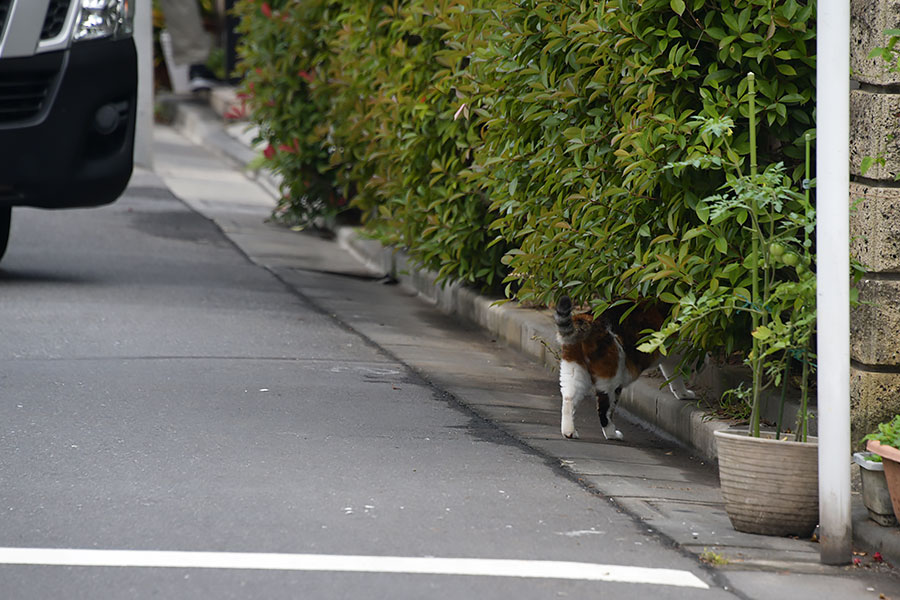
883 450
861 459
740 433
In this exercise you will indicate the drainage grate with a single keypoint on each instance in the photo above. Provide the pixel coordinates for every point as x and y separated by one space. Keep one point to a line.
55 19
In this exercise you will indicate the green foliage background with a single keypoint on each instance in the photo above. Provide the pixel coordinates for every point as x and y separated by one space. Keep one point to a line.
541 146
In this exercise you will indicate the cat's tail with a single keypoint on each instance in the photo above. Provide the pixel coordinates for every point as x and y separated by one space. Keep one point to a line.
565 328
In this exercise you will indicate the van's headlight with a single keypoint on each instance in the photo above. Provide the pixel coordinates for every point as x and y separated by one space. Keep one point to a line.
105 18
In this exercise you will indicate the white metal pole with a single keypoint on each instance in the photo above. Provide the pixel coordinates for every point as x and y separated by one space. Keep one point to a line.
143 39
833 277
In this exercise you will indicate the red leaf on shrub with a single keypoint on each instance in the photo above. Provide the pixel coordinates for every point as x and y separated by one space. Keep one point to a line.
305 76
269 152
286 148
235 112
266 9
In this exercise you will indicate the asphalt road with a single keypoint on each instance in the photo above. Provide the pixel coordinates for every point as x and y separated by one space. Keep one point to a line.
160 393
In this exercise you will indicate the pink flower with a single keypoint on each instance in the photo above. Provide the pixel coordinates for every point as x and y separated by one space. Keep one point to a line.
269 152
266 10
877 557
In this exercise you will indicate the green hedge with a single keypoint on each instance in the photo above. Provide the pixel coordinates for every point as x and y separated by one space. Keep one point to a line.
546 145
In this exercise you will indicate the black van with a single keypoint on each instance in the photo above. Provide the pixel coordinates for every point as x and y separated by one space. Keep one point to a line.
68 89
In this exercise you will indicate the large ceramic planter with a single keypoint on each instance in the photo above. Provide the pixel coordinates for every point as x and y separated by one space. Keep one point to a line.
770 486
891 458
875 493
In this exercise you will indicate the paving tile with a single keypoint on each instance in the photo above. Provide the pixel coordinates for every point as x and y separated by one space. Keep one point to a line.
627 468
653 489
581 449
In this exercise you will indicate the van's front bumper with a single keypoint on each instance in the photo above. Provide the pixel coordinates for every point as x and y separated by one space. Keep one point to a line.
74 147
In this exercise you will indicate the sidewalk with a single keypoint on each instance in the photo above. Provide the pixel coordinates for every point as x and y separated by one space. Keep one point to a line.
674 493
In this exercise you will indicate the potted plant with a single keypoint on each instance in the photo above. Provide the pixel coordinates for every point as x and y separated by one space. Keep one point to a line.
769 480
875 493
886 444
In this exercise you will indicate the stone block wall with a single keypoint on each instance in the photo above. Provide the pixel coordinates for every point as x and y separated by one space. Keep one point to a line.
875 219
868 21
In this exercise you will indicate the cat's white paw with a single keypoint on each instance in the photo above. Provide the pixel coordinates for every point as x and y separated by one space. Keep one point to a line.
611 433
572 434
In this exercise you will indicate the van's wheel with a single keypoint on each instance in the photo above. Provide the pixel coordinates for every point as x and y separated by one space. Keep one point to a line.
5 222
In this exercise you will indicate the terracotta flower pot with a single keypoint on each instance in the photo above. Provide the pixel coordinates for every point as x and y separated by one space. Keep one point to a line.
891 458
770 486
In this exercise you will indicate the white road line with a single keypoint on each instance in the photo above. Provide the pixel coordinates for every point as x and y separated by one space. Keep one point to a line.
540 569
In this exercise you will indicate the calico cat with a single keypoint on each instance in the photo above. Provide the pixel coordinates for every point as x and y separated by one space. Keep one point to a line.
599 357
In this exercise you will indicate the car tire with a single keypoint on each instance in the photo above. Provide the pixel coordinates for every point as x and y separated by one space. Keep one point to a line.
5 222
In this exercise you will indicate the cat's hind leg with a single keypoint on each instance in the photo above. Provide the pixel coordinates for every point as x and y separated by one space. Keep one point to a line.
606 404
574 383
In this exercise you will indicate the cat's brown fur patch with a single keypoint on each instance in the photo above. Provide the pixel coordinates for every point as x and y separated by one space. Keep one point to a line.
599 341
597 351
603 356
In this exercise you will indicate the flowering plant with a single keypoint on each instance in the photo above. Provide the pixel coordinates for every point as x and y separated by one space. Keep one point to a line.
279 63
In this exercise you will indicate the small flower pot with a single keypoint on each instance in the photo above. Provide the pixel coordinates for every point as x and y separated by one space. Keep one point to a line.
770 487
891 460
876 495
